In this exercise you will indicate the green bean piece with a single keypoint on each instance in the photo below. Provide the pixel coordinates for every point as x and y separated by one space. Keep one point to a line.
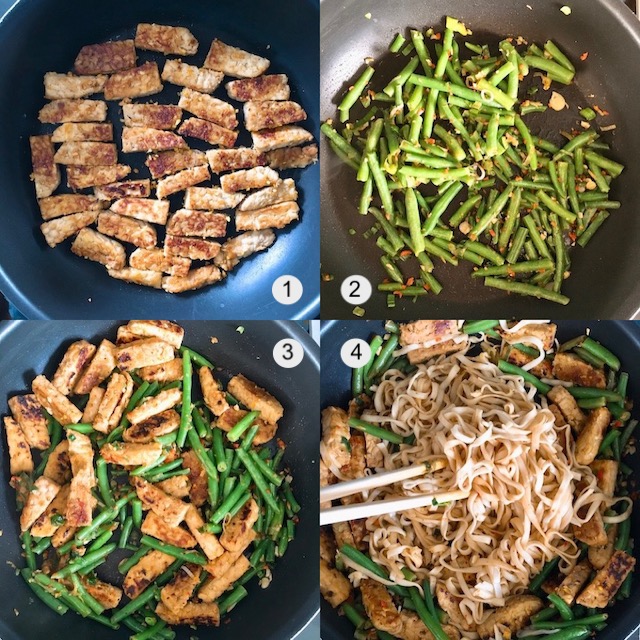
512 369
438 210
60 591
85 596
547 570
27 545
492 213
373 430
103 482
624 532
430 621
242 425
188 556
513 214
563 608
79 563
397 43
464 210
519 267
595 348
233 497
353 615
627 433
560 73
351 97
129 562
149 594
185 414
55 604
107 515
553 50
587 621
608 441
383 359
261 485
479 326
228 602
413 218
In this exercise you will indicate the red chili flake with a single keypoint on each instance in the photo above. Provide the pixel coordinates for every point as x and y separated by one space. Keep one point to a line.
492 233
584 56
281 444
406 252
600 111
436 36
410 281
572 236
431 140
518 178
426 287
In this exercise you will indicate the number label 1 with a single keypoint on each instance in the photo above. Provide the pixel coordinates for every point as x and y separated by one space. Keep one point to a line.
355 353
288 353
355 289
287 289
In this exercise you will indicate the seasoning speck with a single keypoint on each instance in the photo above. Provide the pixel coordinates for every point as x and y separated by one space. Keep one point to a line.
367 16
240 329
566 10
214 340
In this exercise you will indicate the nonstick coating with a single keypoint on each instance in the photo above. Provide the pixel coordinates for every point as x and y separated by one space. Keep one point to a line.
45 35
605 275
623 338
276 613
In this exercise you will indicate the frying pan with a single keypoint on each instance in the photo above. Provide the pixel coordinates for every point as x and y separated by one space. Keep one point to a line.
276 613
45 35
623 338
606 273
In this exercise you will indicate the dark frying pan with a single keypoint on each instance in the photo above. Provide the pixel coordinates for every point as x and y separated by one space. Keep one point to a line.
277 613
605 275
45 35
623 338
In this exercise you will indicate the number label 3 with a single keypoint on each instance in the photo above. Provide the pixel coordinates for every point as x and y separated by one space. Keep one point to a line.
288 353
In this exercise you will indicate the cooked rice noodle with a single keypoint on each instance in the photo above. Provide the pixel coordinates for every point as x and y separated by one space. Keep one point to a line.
502 447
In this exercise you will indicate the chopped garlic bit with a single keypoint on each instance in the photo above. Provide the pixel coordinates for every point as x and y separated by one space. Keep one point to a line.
591 185
367 16
464 227
566 10
609 127
557 102
585 125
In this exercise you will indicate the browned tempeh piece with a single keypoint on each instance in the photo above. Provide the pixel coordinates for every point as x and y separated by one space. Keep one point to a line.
134 83
165 372
66 203
569 367
287 136
155 260
99 369
106 57
138 233
176 247
94 246
255 398
208 108
27 412
142 353
156 211
214 397
181 180
128 189
93 404
608 581
165 39
208 131
169 332
85 177
142 574
73 363
46 174
73 111
40 497
234 62
146 139
269 87
281 191
54 402
215 587
83 132
20 459
269 114
247 179
58 230
292 157
204 224
171 509
210 199
67 85
166 162
243 246
590 438
137 276
193 613
221 160
155 116
113 402
157 425
195 279
131 453
87 153
154 525
275 216
186 75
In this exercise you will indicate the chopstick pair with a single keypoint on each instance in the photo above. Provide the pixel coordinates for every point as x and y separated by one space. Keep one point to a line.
365 510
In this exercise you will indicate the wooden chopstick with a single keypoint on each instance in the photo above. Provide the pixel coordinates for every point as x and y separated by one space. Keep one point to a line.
368 509
342 489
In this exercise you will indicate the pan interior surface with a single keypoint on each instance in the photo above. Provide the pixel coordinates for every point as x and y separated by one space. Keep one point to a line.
623 338
605 272
45 35
275 613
